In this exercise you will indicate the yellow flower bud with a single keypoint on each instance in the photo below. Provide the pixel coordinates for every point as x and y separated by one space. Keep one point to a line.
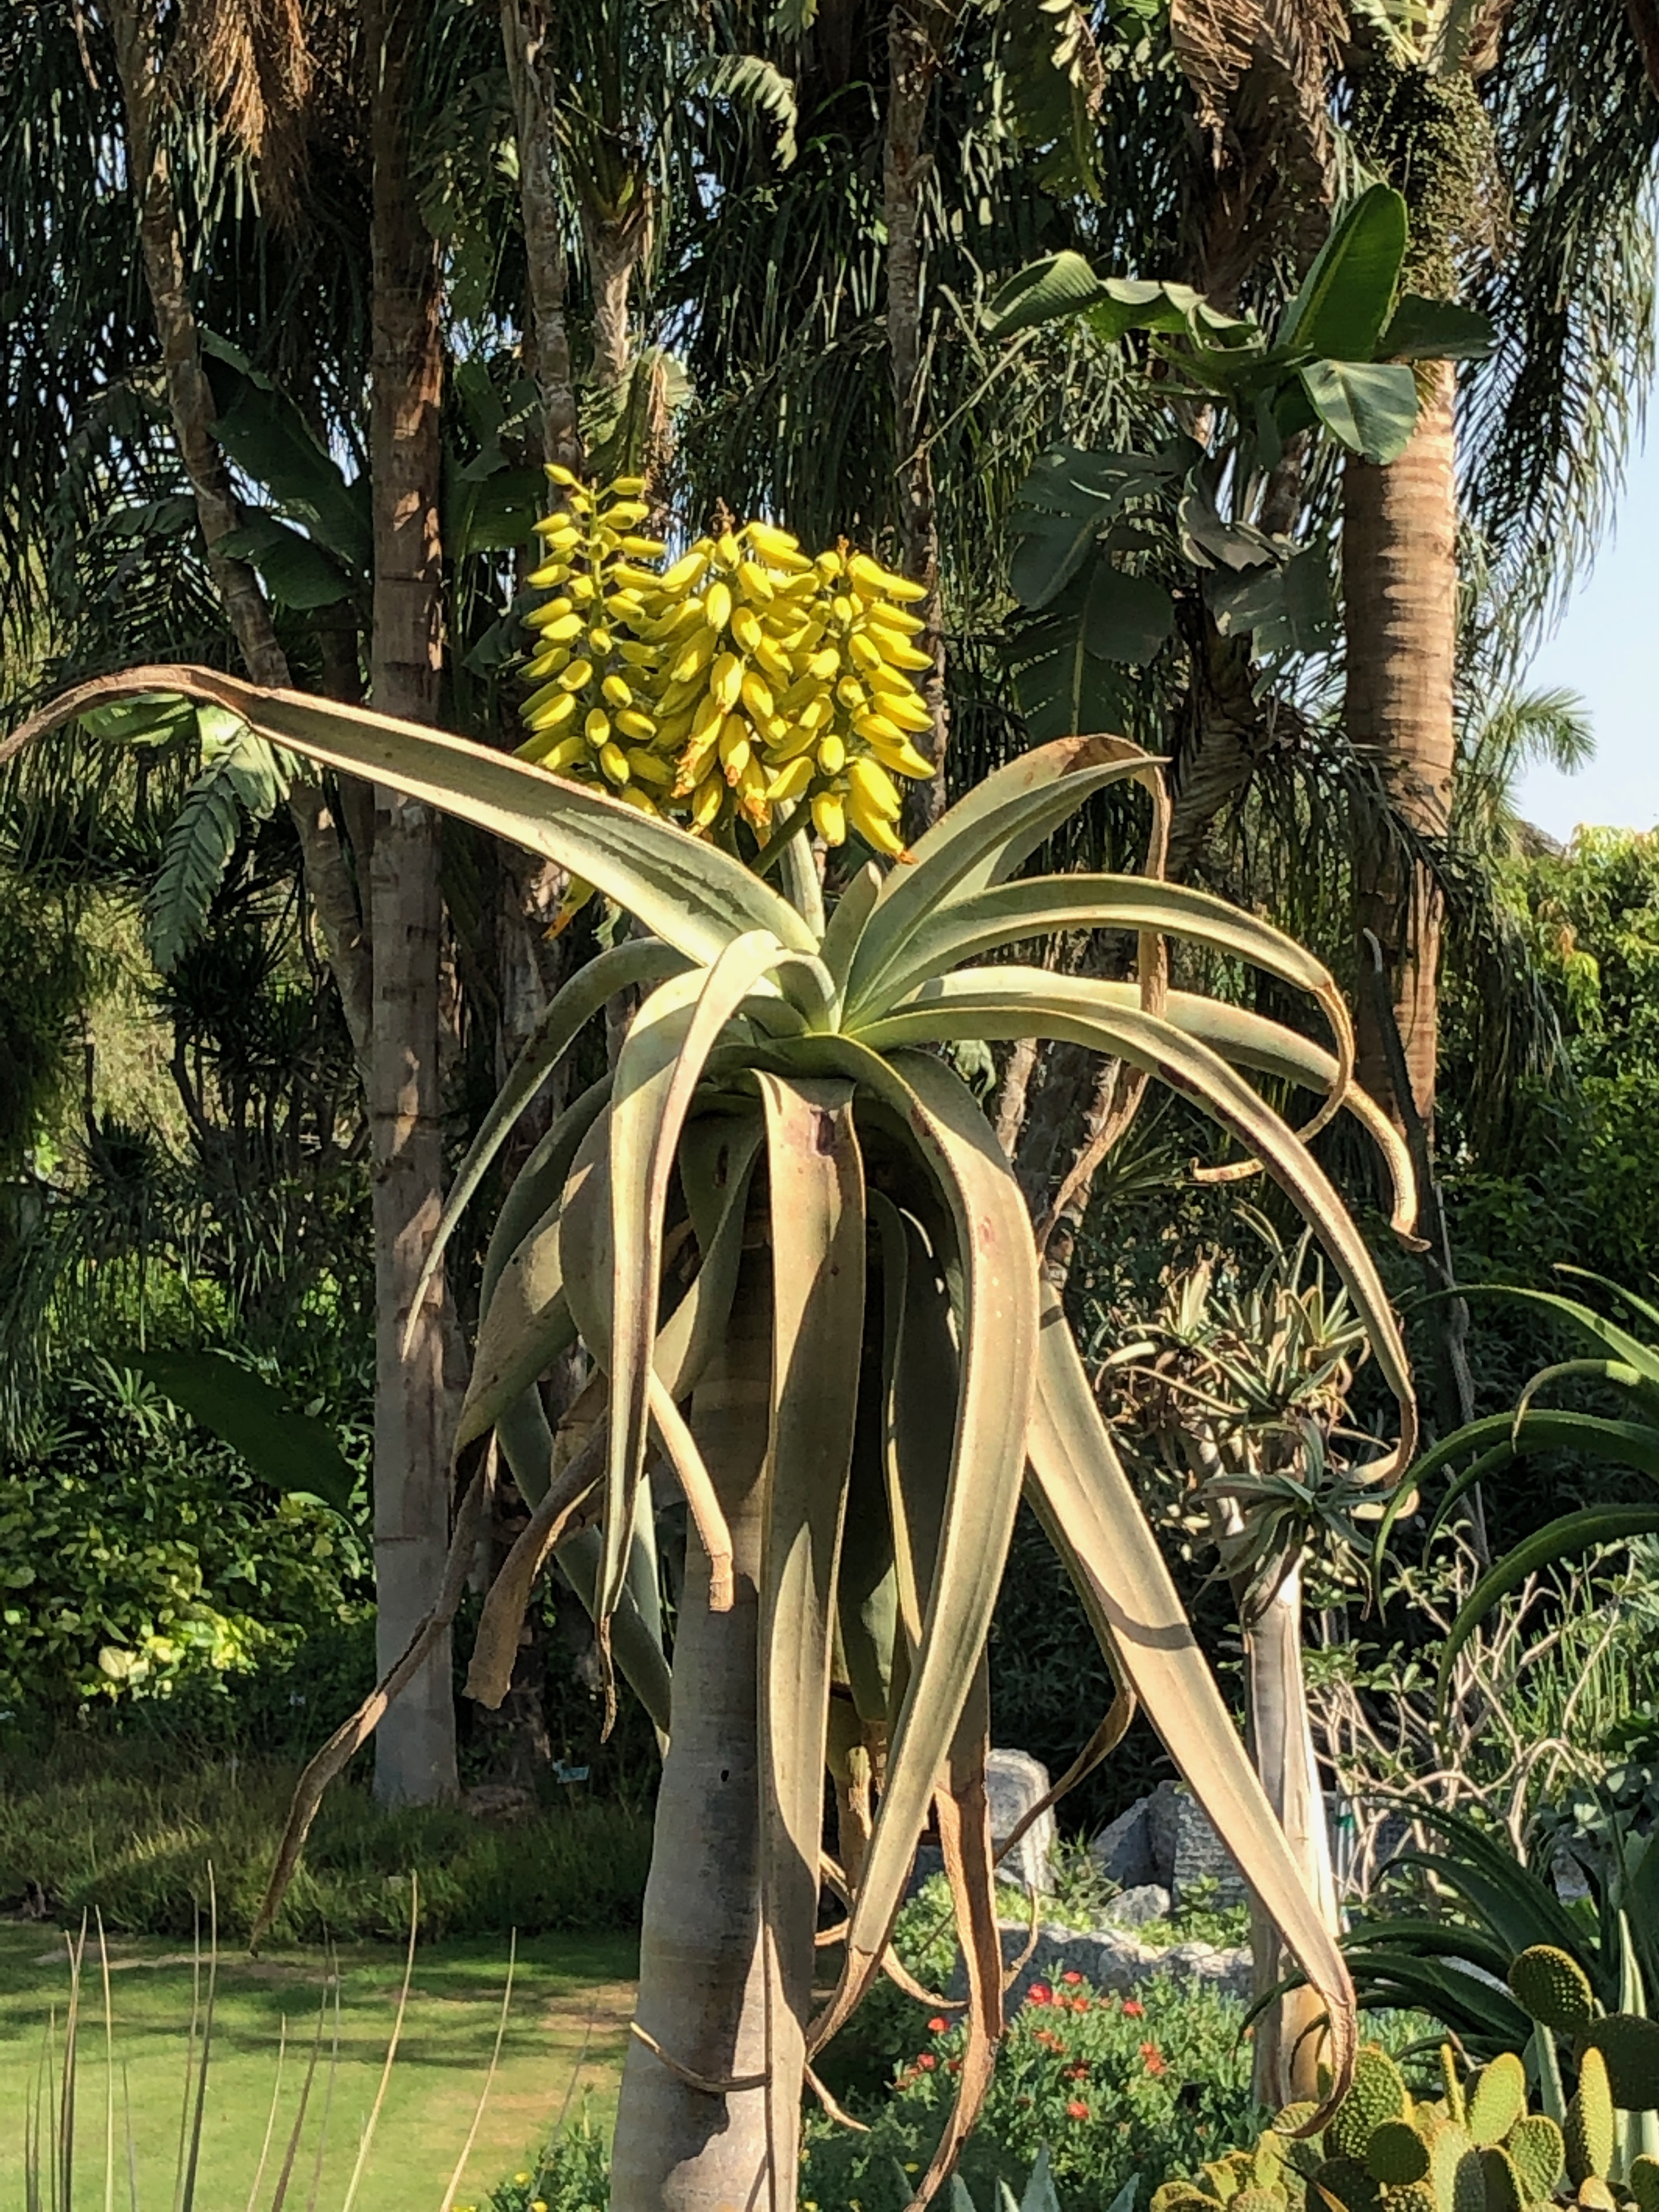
598 727
616 691
578 676
717 606
829 817
726 681
832 755
614 761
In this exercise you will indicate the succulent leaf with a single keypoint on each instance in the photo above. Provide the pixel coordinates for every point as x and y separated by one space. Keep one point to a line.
1588 2132
1553 1988
1496 2098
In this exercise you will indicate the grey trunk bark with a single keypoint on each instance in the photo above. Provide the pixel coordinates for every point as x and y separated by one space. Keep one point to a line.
527 41
415 1755
702 1982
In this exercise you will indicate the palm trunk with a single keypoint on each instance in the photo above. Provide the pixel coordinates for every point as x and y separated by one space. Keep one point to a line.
190 401
415 1745
526 38
702 1980
1288 2043
617 242
912 64
1400 585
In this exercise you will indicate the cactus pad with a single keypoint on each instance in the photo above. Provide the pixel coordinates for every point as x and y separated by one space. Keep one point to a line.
1454 2171
1588 2132
1378 2094
1178 2195
1594 2195
1541 2158
1553 1988
1496 2099
1630 2047
1451 2084
1261 2200
1644 2183
1416 2197
1505 2189
1397 2154
1345 2182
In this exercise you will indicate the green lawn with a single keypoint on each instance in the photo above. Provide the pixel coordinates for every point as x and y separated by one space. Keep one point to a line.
568 1991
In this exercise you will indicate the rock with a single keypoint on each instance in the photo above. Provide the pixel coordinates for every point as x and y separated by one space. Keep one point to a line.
1113 1960
930 1861
1201 1856
1123 1849
1134 1908
1014 1782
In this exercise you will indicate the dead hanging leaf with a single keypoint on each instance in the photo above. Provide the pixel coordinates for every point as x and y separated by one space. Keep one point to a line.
251 62
496 1647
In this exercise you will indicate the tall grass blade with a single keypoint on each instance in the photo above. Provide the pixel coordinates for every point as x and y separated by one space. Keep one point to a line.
207 2042
181 2155
328 2101
270 2117
66 2189
293 2152
368 2143
109 2072
489 2081
132 2146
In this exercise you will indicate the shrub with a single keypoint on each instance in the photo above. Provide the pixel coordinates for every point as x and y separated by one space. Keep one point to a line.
138 1850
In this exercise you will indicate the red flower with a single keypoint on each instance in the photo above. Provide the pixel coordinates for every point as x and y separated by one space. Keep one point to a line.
953 2066
1105 2004
1076 2110
1079 2004
1080 2072
1156 2062
1039 1993
938 2026
927 2062
1071 1976
1133 2008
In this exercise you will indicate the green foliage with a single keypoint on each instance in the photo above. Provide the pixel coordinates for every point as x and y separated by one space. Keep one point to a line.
136 1847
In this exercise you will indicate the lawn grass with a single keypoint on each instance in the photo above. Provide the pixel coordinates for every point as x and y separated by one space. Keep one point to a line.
566 2031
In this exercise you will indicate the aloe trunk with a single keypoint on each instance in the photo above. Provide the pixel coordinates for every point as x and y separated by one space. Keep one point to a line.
415 1748
1399 588
702 1988
1289 2044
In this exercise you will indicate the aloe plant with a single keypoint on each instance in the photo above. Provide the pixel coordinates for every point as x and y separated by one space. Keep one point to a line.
874 1367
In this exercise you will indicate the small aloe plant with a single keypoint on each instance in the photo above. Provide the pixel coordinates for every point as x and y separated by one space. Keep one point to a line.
806 1276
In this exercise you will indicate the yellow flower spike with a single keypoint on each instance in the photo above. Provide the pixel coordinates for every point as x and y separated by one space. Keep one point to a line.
771 542
717 606
900 653
614 762
599 638
555 621
746 632
852 695
874 828
632 724
597 727
550 574
893 620
757 696
558 475
643 549
551 751
754 584
790 781
841 609
686 571
693 657
822 666
636 655
878 727
829 817
829 565
628 487
726 546
870 784
903 758
651 768
677 622
626 512
641 801
578 676
616 691
866 654
581 589
815 713
709 800
793 744
832 755
553 714
630 579
772 661
709 715
725 683
734 747
874 578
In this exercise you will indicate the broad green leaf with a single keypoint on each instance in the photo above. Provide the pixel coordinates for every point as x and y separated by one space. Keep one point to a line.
989 832
243 776
1344 300
540 1181
1370 407
1069 497
288 1449
296 571
1125 619
1546 1547
993 1234
690 895
658 1071
1063 284
1608 1335
524 1327
816 1196
851 911
1012 1002
270 440
491 513
1061 686
616 967
1091 1510
1436 330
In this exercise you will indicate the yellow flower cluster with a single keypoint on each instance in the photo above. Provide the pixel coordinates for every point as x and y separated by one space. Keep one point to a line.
742 677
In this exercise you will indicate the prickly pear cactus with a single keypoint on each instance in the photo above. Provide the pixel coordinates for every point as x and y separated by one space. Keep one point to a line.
1474 2148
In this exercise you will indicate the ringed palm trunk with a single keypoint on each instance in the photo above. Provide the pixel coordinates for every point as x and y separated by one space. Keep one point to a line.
1400 586
703 1972
415 1757
1288 2042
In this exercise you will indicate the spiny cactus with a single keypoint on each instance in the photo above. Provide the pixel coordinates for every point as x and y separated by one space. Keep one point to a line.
1553 1988
1474 2148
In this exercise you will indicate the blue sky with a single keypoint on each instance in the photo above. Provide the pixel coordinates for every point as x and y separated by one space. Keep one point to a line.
1607 649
